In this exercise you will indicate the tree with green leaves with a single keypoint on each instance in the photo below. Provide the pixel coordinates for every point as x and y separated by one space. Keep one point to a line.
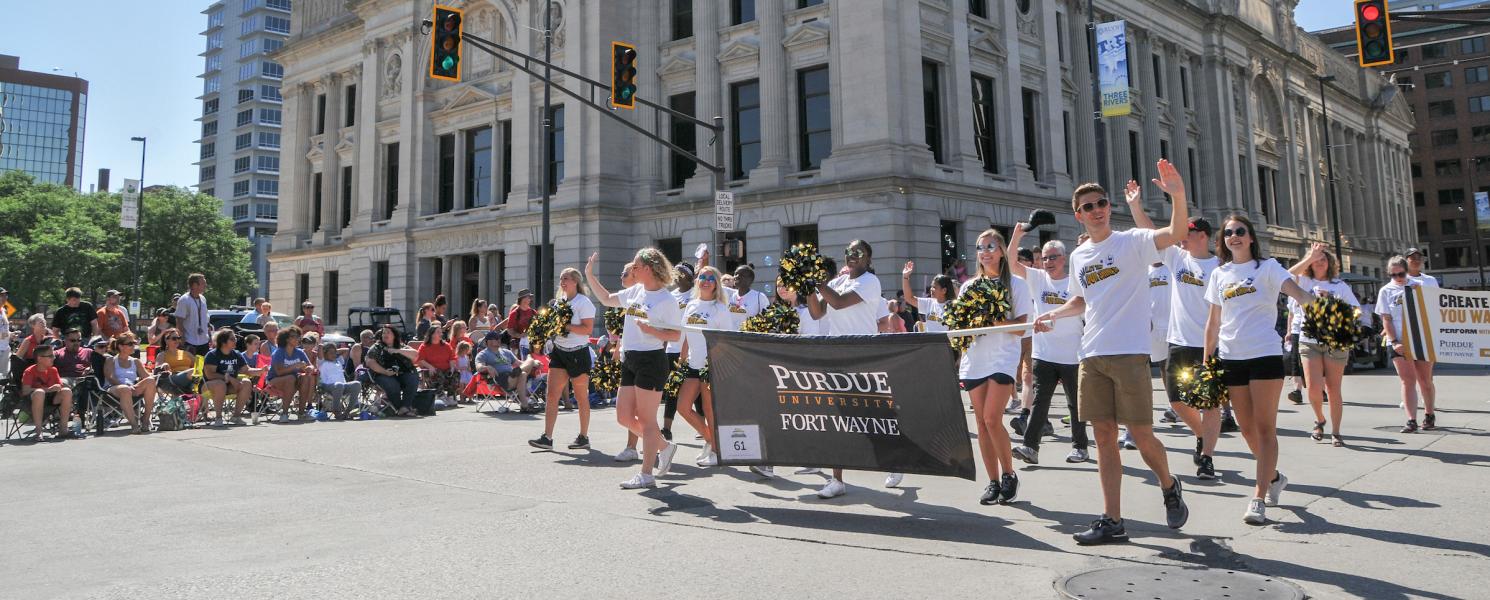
52 238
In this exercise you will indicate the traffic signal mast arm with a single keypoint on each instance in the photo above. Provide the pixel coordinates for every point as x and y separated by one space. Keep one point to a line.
497 50
1447 15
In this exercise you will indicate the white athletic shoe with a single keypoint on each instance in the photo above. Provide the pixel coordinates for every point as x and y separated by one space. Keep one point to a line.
1255 514
833 489
894 479
711 460
808 471
702 454
628 455
638 481
665 458
1077 455
767 472
1275 489
1126 441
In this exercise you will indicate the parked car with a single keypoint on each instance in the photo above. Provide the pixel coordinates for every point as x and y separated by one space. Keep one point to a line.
226 317
360 318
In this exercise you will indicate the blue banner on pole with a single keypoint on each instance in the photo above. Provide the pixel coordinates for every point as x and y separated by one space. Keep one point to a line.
1112 68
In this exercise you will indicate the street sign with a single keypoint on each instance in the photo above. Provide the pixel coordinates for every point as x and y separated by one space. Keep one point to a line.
129 209
134 308
724 222
724 211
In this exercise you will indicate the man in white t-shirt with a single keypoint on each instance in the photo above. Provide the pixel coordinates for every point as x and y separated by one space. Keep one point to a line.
191 315
1053 353
1109 287
1415 272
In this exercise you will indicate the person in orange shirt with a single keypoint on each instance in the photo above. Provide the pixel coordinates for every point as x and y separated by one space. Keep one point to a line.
112 320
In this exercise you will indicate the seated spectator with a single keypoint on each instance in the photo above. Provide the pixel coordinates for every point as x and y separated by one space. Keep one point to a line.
458 334
259 314
426 319
158 327
73 361
308 321
112 320
499 365
291 372
127 380
40 336
436 361
310 342
44 386
463 362
75 314
392 365
480 318
225 371
343 394
251 345
271 338
174 365
6 351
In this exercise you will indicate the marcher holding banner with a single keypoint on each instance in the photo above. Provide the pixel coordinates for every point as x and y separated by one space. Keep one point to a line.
989 366
1243 293
706 309
1324 367
1413 369
683 292
644 367
1109 288
1055 352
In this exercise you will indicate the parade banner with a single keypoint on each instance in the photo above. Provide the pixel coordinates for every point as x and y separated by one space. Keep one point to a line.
866 403
1482 210
1112 61
1449 326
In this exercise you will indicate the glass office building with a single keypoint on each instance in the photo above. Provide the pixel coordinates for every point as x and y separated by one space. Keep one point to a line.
42 120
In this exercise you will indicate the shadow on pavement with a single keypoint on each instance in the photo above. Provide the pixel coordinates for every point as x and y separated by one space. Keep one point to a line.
1216 553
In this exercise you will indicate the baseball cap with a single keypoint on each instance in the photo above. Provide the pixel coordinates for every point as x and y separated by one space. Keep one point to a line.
1412 251
111 293
492 336
1201 225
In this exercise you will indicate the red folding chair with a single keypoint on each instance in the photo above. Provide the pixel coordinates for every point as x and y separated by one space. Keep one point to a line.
263 391
487 393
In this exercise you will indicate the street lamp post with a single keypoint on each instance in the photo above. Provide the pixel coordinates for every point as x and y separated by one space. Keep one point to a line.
139 219
1329 165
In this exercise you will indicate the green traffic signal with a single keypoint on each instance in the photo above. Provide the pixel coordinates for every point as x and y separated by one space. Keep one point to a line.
445 44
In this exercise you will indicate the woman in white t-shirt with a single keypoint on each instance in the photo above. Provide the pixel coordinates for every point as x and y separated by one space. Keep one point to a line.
569 362
806 324
707 310
1243 293
1415 375
988 368
931 309
652 320
1324 367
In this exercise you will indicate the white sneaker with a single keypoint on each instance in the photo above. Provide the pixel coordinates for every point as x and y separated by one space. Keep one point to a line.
1077 455
712 460
628 455
1126 441
833 489
1275 489
1255 514
665 458
767 472
808 471
894 479
638 481
702 454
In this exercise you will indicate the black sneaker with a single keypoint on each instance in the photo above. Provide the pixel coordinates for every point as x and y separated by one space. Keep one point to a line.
1429 422
1103 531
1207 468
542 443
1199 449
1008 488
1049 430
1017 424
1175 511
581 442
1228 425
1296 397
1169 416
1411 426
990 494
667 434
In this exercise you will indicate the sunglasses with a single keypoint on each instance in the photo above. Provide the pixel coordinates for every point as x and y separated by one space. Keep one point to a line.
1091 206
174 338
853 253
985 247
1399 275
707 279
1238 232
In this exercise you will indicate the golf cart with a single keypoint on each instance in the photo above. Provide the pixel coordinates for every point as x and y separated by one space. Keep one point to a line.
360 318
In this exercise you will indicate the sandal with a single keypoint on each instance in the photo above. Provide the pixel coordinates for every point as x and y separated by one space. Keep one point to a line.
1336 440
1318 431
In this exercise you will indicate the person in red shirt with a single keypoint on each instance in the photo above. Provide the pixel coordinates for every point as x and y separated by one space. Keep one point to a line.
43 384
308 321
436 361
521 316
112 320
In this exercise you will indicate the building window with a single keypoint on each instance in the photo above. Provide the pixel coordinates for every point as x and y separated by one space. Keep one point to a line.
801 234
272 70
1158 62
1442 108
682 19
268 139
209 129
1448 227
807 3
268 164
1445 137
1135 160
214 20
209 150
346 197
556 148
978 8
1438 50
214 41
351 109
745 128
248 47
1066 135
243 140
815 118
1478 104
742 11
208 173
242 164
320 114
245 117
478 167
271 44
1190 170
1417 199
380 283
244 95
683 134
672 248
985 125
1185 86
1474 45
1417 170
390 181
1029 101
277 25
267 212
1448 167
446 195
316 198
931 103
240 188
283 5
1450 197
270 116
302 287
1479 74
1440 79
332 289
1455 257
240 212
270 93
1422 229
209 107
506 127
1060 36
266 187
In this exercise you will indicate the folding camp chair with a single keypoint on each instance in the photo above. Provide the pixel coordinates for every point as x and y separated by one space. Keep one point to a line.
488 393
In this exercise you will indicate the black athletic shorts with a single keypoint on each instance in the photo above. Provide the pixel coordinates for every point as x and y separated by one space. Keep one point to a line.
691 373
1180 358
999 378
1241 372
1293 364
646 369
573 362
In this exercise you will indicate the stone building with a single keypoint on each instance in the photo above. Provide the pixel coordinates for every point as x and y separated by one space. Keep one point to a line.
911 124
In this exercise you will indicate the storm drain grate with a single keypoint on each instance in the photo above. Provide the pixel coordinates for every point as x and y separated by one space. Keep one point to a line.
1175 583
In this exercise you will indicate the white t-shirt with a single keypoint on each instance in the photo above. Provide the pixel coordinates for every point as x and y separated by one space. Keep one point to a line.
884 311
744 306
1424 280
1248 296
191 319
658 307
933 311
1188 309
1390 303
809 325
1159 299
861 318
683 299
583 309
1336 288
709 314
996 352
1060 344
1113 278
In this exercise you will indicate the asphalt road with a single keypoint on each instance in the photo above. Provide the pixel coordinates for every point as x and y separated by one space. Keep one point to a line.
458 506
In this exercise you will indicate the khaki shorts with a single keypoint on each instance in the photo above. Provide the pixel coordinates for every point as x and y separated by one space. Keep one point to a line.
1115 388
1318 351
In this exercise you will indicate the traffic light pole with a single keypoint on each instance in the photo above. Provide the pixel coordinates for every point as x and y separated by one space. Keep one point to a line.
546 268
1329 165
1097 130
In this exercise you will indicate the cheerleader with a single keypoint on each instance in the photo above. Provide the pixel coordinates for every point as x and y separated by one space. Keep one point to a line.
1414 374
1324 367
988 368
932 308
705 309
1243 293
644 367
683 293
806 324
569 362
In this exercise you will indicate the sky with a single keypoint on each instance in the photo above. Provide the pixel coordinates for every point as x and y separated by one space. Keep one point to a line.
140 58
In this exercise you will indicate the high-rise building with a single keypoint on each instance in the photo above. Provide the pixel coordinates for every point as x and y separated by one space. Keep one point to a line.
42 120
241 115
1443 69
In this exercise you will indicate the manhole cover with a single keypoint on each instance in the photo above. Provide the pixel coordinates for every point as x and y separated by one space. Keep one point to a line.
1166 583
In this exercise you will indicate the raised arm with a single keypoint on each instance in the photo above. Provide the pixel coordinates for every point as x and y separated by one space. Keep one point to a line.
1134 195
1015 268
905 280
605 296
1179 213
1302 267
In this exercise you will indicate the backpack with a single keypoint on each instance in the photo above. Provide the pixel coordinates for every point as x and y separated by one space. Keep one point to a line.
171 414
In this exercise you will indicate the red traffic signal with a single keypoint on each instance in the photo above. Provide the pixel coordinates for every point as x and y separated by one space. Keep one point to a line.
444 56
1373 33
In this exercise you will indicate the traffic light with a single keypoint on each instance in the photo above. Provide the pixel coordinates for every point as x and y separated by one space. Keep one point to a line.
444 58
622 75
1373 33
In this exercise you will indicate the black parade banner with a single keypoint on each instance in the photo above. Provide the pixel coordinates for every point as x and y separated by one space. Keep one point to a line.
865 403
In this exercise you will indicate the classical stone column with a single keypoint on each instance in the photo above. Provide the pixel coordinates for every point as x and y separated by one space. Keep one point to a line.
294 169
330 162
709 98
775 103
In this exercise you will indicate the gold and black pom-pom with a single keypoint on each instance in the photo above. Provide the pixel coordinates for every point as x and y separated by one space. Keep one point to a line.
703 374
615 320
776 318
550 323
606 376
674 380
1201 387
1333 322
802 268
984 303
